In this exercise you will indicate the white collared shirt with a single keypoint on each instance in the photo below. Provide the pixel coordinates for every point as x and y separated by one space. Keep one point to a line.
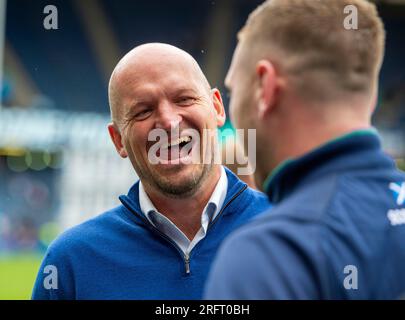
166 226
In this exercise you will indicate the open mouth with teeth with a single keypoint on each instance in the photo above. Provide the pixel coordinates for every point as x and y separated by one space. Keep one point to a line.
176 149
179 142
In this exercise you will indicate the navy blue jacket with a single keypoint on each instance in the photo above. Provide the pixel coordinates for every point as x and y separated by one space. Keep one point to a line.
336 231
121 255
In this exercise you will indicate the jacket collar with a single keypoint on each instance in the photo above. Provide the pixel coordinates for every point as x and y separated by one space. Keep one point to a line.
131 200
358 149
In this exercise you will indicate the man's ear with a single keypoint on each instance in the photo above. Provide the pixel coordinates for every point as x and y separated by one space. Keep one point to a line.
219 107
117 139
268 87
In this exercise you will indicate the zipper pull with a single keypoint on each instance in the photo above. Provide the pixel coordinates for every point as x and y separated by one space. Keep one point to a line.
187 263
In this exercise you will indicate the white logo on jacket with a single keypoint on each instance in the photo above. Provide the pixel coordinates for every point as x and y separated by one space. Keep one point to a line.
399 191
397 216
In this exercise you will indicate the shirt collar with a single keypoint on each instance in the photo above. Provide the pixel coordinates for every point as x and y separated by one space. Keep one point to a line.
218 196
210 211
145 203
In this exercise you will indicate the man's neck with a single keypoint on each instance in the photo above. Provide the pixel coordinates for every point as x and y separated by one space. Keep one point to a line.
302 137
185 213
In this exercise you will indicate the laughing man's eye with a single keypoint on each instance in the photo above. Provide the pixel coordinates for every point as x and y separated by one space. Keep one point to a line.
186 100
142 114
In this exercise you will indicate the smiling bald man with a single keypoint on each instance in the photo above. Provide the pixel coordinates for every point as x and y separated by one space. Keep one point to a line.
160 242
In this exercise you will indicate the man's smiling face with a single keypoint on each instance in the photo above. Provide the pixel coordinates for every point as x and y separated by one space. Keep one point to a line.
165 90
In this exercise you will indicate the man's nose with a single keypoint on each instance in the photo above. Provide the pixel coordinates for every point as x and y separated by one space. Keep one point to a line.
167 116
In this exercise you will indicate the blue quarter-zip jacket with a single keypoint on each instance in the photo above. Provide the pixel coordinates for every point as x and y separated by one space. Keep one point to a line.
336 231
120 255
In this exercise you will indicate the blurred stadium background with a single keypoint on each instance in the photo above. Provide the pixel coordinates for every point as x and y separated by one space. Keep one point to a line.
57 165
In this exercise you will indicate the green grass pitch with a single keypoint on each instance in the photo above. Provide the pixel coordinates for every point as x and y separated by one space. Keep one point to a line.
17 275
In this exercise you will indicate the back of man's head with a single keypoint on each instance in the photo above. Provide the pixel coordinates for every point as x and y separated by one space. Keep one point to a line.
319 45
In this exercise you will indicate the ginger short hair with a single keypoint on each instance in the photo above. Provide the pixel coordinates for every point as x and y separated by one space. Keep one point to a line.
308 41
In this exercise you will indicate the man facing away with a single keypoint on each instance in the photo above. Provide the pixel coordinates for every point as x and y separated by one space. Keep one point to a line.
160 242
308 84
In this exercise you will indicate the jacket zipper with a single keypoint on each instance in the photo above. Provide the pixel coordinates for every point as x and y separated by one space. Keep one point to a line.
225 206
155 230
186 256
187 262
